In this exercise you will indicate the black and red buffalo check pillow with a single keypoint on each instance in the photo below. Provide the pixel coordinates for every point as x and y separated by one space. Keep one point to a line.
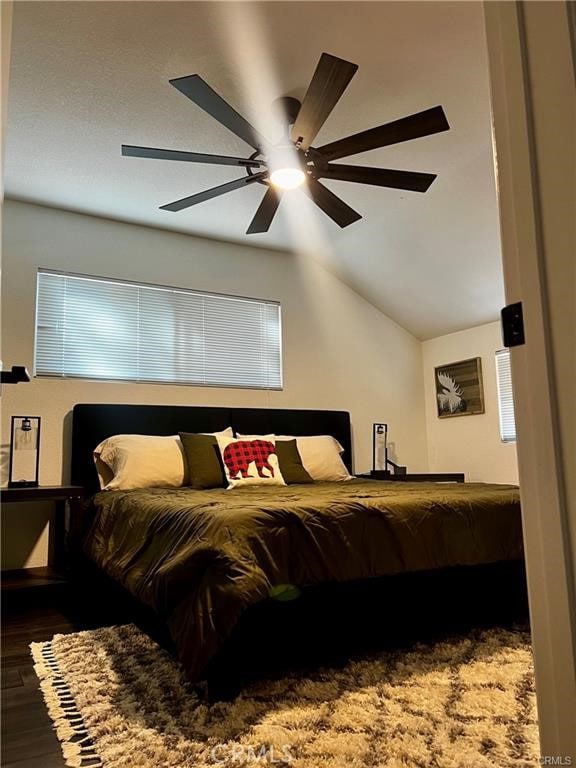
250 461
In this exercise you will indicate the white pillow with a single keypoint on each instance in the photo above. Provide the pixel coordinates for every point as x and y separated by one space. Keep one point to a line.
142 461
320 456
250 461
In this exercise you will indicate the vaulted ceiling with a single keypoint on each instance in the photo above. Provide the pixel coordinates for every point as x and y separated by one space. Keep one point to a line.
87 77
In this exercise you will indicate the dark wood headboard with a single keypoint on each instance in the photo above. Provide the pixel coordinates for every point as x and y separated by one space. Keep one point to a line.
93 423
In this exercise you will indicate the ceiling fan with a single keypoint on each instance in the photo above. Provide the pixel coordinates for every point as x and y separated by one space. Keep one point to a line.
294 161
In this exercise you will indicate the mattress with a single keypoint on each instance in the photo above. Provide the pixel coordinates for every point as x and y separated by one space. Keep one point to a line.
201 558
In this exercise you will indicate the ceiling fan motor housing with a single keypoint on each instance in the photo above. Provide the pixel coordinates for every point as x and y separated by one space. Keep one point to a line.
287 108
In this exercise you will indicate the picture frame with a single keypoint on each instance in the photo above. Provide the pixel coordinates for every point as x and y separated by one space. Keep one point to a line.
459 388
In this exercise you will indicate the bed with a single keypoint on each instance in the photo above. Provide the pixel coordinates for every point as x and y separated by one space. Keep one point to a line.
203 561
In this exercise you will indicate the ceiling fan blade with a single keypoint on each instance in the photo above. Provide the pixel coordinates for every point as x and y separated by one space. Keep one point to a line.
379 177
198 91
208 194
190 157
265 213
333 206
328 83
413 127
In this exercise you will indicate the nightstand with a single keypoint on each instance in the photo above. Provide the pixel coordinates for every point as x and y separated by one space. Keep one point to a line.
420 477
68 500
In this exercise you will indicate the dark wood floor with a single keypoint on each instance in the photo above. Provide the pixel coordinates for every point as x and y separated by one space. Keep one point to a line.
28 739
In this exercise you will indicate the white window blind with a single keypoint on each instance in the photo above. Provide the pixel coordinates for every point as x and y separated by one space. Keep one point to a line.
505 398
95 328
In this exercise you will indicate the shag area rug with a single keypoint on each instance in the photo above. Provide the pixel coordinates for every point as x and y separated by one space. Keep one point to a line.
118 700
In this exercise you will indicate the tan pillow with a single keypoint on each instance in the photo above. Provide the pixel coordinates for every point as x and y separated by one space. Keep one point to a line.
250 461
141 461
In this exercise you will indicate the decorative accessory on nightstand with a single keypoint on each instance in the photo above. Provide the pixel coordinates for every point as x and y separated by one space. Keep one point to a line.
380 460
24 452
379 447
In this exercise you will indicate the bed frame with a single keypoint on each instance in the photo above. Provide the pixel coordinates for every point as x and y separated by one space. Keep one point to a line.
327 623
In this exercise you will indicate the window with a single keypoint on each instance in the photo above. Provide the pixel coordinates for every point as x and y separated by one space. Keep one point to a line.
505 398
96 328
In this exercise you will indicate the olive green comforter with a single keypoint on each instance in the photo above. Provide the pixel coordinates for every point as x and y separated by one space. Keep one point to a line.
200 558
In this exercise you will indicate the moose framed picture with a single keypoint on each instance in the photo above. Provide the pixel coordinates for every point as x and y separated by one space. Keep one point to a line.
459 388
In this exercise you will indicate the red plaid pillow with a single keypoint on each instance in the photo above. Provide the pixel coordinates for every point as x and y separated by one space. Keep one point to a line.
250 462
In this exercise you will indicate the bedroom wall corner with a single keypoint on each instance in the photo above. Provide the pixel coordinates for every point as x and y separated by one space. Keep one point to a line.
469 444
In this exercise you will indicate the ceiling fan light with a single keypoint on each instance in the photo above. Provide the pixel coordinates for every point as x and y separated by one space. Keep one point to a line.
287 178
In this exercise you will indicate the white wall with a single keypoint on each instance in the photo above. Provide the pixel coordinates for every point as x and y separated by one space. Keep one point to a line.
339 351
469 444
6 8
